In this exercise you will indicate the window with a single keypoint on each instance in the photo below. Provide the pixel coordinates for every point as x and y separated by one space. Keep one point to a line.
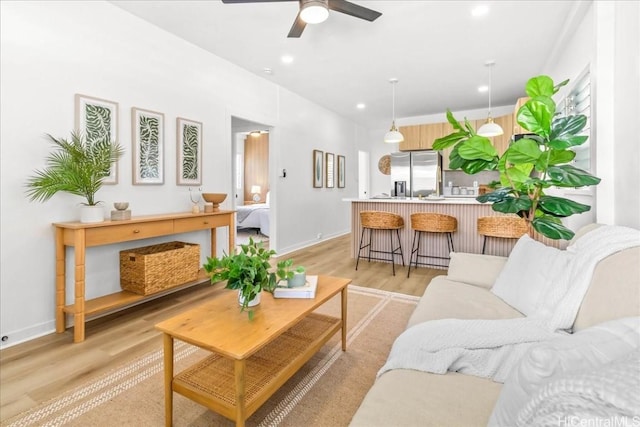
578 101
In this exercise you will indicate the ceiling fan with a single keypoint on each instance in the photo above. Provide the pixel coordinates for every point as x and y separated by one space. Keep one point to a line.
316 11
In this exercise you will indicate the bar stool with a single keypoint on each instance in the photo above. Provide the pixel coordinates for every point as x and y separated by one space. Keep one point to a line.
504 227
385 221
425 222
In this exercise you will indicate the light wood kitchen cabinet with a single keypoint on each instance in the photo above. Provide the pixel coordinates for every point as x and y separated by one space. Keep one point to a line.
420 137
517 129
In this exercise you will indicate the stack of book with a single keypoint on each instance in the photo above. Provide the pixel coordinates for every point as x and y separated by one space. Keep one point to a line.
306 291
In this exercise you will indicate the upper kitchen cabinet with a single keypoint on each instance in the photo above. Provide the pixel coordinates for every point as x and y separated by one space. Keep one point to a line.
517 129
420 137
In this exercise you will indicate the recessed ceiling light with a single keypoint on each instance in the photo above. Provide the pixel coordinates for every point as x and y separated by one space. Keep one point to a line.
480 10
360 106
286 59
483 88
267 70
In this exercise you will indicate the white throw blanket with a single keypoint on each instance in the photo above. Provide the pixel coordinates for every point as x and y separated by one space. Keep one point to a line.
491 348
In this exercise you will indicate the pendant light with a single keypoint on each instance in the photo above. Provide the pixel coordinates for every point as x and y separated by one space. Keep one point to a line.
393 135
490 128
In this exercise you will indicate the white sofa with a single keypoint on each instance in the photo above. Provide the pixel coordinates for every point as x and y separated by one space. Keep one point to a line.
405 397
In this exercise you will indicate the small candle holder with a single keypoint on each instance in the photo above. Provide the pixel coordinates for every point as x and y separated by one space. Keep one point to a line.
121 213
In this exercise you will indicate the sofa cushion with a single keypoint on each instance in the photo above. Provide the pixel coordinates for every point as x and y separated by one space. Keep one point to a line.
421 399
584 350
531 269
475 269
614 291
446 299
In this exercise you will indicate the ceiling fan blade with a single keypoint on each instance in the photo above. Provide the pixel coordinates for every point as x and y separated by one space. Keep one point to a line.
297 28
353 9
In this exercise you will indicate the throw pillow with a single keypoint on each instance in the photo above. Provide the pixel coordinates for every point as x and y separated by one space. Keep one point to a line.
475 269
531 269
588 349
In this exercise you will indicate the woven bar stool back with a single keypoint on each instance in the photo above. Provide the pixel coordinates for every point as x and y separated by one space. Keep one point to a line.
385 222
503 227
426 222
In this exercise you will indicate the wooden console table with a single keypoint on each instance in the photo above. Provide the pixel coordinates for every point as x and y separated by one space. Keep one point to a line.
82 236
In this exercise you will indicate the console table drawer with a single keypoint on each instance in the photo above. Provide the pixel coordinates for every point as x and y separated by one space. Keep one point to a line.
184 225
125 232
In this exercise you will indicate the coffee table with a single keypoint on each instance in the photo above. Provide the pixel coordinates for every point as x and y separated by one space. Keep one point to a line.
250 359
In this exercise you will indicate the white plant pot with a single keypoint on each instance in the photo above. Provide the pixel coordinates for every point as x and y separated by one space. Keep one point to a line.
255 301
90 214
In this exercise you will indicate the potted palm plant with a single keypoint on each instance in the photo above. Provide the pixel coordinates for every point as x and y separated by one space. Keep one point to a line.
75 167
248 271
530 165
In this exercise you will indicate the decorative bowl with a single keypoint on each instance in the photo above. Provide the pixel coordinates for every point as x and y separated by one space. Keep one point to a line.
121 206
215 198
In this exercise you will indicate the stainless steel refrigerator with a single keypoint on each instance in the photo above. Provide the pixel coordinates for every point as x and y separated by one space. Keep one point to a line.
415 173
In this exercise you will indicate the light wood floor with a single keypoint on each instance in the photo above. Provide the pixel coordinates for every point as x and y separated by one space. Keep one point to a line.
41 369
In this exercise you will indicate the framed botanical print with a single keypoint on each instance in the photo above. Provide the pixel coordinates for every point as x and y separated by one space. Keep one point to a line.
317 169
148 146
97 120
341 171
330 174
189 153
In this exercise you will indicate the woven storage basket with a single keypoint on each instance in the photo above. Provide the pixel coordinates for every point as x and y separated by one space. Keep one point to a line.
508 227
154 268
433 222
381 220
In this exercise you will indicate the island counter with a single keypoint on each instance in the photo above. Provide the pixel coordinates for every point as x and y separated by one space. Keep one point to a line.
466 239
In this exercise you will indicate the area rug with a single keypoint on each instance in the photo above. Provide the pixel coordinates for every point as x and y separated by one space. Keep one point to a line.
325 392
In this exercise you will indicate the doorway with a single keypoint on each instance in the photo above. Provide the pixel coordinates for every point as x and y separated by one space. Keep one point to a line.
251 181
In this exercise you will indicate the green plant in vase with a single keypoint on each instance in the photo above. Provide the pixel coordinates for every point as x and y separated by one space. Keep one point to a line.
75 167
248 271
530 165
294 276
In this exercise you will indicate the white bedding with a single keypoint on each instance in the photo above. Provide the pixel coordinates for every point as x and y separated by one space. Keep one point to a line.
254 216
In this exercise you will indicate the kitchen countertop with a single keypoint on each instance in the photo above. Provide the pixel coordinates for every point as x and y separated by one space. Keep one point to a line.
445 200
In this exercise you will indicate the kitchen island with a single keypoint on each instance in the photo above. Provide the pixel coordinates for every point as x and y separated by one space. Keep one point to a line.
466 210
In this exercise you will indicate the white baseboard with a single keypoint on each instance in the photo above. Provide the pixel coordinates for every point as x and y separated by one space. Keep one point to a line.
27 334
284 251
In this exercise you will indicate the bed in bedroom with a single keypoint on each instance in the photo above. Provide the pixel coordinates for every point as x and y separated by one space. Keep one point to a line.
253 216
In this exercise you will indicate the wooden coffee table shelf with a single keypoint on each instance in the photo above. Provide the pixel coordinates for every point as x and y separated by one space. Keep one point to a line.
211 381
250 359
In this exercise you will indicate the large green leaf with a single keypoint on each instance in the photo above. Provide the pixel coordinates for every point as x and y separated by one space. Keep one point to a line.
559 206
567 126
558 157
477 148
474 166
523 151
455 161
495 196
512 205
551 227
449 140
453 120
518 173
536 115
570 176
539 86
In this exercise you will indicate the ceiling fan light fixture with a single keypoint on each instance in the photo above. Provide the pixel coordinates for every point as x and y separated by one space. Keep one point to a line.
394 135
314 11
490 129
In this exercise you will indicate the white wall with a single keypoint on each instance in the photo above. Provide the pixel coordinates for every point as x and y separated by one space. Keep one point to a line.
606 39
53 50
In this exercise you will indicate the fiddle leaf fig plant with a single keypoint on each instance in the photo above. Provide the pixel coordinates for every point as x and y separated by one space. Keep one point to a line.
530 165
76 166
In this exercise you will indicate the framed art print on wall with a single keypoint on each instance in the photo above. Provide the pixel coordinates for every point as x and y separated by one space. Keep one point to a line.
341 171
317 169
189 152
330 175
148 146
97 120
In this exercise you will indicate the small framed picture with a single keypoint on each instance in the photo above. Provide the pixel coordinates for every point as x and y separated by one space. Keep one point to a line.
97 120
341 171
330 175
317 169
148 146
189 155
